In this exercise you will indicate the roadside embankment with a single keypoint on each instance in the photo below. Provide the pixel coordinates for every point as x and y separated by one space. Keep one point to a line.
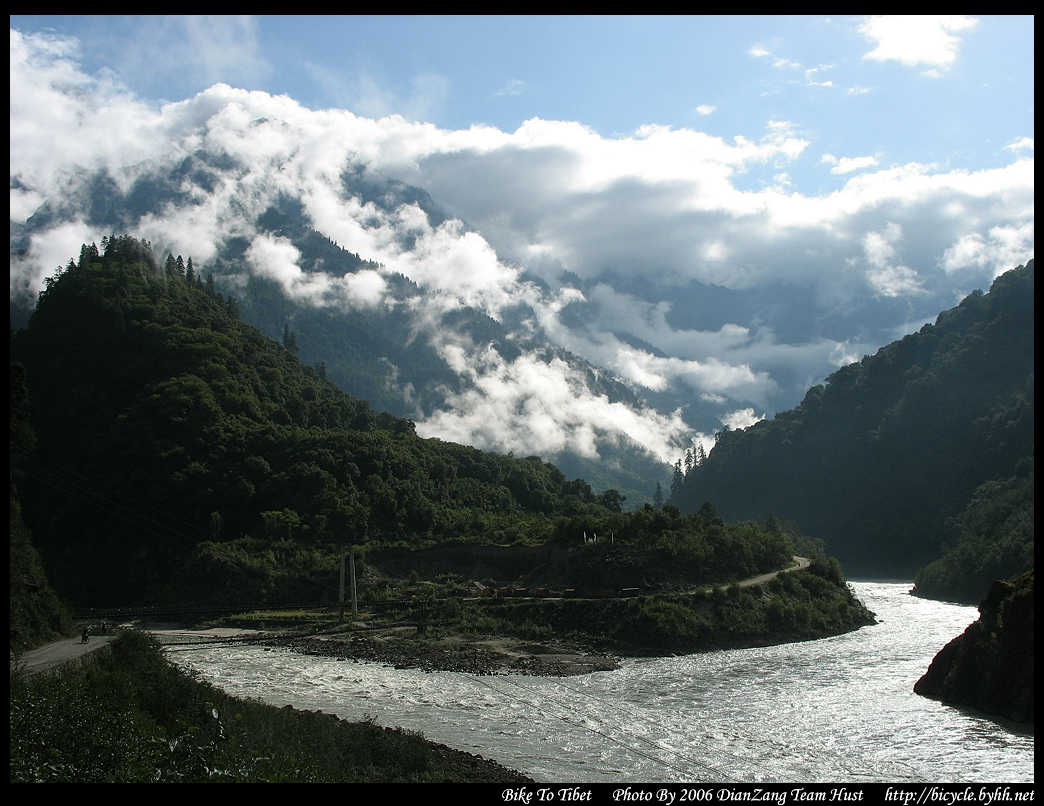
132 716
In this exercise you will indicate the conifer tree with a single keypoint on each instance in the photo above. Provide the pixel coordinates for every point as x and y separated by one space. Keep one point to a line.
289 339
678 480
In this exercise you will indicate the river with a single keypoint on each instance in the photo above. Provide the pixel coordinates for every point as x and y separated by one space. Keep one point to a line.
836 709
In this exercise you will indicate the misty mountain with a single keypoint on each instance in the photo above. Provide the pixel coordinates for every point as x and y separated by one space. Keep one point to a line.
923 449
176 447
693 266
383 338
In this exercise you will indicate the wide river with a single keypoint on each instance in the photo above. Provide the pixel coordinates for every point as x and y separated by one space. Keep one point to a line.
837 709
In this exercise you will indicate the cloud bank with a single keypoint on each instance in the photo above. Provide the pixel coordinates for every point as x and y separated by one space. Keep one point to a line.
647 253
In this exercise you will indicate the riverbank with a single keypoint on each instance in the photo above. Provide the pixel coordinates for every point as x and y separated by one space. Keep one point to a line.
131 716
566 637
483 655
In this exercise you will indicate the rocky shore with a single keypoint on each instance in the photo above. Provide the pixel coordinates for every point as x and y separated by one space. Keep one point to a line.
990 666
479 656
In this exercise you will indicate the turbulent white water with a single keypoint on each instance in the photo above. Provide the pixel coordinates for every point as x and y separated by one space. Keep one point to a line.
838 709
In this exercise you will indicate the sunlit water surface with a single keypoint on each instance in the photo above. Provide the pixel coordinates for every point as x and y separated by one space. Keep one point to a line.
837 709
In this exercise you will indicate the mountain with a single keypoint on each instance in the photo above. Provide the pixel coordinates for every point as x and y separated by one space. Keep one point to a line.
35 612
422 353
180 451
183 458
877 460
991 539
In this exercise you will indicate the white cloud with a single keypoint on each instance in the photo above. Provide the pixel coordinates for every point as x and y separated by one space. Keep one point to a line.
705 109
888 278
1020 144
50 250
741 418
1001 248
757 51
912 40
846 165
277 259
658 211
858 90
531 406
810 76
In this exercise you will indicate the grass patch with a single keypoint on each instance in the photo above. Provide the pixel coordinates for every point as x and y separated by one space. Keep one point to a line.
132 716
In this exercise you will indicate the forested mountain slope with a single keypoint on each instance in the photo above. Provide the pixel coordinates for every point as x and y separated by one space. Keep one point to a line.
169 433
378 335
876 460
395 358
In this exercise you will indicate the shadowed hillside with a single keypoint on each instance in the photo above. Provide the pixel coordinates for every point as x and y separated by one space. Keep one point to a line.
876 460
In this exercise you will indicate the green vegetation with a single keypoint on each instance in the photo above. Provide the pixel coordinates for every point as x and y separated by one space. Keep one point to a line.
793 606
876 460
991 539
36 613
131 716
366 351
180 456
170 436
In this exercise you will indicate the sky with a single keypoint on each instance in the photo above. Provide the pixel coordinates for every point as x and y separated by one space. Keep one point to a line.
729 207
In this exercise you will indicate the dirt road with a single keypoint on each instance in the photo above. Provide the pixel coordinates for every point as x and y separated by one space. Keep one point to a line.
70 649
58 652
800 563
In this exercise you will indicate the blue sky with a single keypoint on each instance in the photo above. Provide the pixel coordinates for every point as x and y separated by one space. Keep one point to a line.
724 209
959 104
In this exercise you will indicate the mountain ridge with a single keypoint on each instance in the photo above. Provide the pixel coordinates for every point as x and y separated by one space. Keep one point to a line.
874 461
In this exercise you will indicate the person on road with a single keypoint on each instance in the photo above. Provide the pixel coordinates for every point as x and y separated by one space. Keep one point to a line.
83 635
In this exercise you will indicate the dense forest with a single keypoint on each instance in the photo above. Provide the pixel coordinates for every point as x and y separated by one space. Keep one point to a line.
380 354
173 452
919 451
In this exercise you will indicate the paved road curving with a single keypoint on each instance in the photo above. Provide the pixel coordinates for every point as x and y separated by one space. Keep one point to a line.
50 655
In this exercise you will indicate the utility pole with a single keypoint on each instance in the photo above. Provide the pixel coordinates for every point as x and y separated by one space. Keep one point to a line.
340 593
355 599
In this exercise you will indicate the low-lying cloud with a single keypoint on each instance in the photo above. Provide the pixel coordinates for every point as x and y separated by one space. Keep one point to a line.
550 216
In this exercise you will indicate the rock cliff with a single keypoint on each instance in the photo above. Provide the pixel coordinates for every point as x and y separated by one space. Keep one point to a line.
990 666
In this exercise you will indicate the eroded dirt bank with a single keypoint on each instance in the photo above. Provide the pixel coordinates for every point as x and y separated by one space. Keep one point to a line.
403 648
